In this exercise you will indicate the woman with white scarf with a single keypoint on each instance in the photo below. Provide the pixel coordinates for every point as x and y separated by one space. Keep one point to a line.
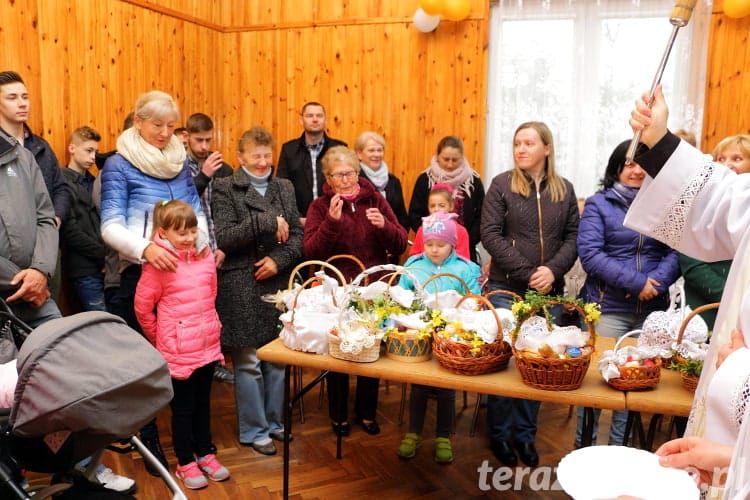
149 167
449 166
370 149
700 208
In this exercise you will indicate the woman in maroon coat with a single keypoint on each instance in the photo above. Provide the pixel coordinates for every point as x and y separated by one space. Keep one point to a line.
351 218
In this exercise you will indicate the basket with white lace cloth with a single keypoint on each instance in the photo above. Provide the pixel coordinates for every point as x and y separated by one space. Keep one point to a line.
630 368
311 308
689 355
660 328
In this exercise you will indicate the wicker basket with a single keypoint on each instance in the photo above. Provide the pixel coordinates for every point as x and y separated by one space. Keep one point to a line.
458 357
408 347
633 378
552 374
689 382
365 355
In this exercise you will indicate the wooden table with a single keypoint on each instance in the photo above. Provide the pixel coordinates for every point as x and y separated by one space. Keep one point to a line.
593 393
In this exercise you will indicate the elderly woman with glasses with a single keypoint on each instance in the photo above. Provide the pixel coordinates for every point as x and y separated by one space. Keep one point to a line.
351 218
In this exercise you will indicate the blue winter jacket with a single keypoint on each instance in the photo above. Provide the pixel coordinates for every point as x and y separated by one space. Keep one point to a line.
422 268
618 260
128 199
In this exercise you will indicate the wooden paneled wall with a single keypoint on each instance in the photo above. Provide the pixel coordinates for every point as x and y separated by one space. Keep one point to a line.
248 63
727 105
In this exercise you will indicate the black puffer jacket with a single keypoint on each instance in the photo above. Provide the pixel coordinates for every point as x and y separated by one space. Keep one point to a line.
521 233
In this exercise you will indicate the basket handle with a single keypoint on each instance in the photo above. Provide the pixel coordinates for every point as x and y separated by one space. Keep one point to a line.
581 312
434 277
697 310
503 292
320 263
486 302
383 267
347 256
619 341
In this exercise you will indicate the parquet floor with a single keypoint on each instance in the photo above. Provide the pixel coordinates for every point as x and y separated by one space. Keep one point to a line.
370 467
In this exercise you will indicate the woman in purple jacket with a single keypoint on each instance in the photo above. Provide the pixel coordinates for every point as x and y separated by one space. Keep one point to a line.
351 218
628 274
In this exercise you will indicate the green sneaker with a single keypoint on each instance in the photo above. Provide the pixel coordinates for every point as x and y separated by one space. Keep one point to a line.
443 451
409 445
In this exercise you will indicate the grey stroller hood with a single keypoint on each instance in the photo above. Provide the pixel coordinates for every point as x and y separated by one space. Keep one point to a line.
88 378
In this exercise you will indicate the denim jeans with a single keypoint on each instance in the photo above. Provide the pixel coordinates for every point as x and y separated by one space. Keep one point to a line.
512 419
90 291
613 325
35 316
259 394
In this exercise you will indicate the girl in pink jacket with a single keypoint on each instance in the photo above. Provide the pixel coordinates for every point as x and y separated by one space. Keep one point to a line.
176 310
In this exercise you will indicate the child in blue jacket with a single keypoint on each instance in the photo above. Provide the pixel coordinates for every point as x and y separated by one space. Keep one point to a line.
439 256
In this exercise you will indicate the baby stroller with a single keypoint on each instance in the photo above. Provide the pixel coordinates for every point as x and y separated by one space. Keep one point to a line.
84 382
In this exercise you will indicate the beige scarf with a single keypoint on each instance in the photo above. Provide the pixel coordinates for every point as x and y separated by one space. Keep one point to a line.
160 163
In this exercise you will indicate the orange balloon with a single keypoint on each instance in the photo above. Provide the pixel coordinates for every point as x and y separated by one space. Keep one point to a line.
432 7
456 10
737 8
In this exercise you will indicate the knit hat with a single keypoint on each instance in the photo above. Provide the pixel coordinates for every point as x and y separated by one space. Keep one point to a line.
440 226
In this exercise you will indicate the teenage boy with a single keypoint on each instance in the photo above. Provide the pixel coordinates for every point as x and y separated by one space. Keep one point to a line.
207 165
300 158
82 246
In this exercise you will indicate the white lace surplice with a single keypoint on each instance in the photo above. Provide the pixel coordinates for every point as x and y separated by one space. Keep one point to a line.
701 209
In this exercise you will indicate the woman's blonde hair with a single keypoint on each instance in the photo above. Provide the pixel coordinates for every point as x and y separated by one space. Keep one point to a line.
359 144
742 141
156 104
339 154
521 184
174 214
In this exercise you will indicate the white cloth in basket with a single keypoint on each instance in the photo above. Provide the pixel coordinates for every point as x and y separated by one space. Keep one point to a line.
309 330
373 291
610 359
483 322
534 332
355 337
660 328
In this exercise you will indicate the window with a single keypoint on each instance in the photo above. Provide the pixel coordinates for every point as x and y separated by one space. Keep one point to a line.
578 66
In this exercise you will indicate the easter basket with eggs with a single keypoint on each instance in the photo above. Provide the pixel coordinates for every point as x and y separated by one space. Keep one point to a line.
631 368
550 357
393 311
468 341
689 355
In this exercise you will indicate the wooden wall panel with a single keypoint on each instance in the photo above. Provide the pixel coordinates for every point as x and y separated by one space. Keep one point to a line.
727 105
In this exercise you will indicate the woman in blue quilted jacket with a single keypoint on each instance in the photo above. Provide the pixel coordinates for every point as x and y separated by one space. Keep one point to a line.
149 166
628 274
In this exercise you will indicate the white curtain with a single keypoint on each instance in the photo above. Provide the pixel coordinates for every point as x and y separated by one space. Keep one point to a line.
578 66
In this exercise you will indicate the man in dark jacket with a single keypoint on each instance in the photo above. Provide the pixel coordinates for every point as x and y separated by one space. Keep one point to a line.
300 158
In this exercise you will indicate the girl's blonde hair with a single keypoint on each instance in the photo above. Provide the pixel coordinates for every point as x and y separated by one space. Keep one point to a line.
555 184
174 214
741 140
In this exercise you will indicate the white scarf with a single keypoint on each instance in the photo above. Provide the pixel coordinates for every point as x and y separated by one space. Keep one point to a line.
379 177
160 163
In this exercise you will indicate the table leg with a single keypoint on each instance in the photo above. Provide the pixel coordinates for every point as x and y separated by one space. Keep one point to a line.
655 421
587 433
289 402
634 419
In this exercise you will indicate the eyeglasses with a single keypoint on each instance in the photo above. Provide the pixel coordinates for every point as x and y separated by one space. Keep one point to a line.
344 175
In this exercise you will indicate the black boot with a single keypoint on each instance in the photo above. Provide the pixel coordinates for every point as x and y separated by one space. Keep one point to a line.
150 438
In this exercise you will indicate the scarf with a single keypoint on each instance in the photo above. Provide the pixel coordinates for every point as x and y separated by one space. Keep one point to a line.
351 196
461 179
627 193
259 183
159 163
379 177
